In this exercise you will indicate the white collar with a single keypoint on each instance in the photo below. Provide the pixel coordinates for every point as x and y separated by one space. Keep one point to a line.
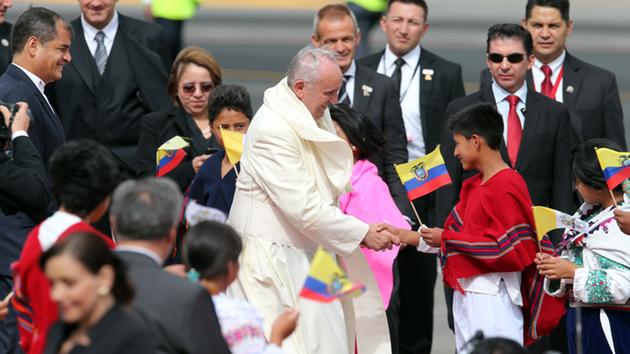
554 65
411 58
352 70
145 251
500 93
109 30
39 83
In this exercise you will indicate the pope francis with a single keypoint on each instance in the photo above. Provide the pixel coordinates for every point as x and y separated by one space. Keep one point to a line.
294 167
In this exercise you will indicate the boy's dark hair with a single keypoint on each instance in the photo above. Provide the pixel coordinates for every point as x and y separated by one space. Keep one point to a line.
560 5
510 30
481 119
421 3
92 252
498 346
359 129
209 246
586 166
83 174
232 97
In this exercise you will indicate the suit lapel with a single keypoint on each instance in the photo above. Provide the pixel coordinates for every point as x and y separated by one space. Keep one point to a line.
362 79
571 81
82 59
426 86
532 118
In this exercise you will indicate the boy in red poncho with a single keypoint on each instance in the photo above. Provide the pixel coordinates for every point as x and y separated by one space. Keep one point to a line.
83 174
488 243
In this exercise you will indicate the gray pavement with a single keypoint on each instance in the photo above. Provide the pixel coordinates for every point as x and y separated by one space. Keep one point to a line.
255 46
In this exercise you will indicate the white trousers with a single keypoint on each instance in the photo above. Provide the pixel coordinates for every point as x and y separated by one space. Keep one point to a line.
494 315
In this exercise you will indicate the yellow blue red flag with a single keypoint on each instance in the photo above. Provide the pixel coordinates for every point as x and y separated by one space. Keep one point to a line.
170 154
326 281
424 175
233 144
615 164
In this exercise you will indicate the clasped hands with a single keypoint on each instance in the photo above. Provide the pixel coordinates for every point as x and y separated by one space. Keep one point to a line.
383 236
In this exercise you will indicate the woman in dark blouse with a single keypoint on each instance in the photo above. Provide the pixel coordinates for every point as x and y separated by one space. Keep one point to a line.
89 284
230 109
195 73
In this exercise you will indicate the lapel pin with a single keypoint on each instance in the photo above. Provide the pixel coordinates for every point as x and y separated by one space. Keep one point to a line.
570 89
367 90
5 42
428 74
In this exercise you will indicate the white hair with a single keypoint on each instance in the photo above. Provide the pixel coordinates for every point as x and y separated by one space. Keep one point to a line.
306 63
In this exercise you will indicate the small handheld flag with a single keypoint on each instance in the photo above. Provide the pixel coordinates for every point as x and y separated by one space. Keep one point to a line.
170 154
615 164
326 281
233 144
424 175
548 219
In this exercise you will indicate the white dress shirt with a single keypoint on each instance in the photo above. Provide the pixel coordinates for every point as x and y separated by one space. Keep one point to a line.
503 106
89 33
409 96
351 72
555 66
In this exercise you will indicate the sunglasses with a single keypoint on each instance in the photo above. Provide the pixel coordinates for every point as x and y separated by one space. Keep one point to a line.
205 87
512 58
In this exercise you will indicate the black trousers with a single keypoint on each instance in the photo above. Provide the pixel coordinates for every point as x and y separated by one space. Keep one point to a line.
9 336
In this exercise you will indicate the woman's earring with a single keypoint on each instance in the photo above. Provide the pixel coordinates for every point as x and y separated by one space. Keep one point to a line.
103 290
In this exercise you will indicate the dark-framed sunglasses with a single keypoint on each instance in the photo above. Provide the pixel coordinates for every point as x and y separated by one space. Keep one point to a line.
512 58
189 88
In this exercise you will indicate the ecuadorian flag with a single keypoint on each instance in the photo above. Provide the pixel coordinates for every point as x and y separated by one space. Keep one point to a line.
424 175
615 164
170 154
326 281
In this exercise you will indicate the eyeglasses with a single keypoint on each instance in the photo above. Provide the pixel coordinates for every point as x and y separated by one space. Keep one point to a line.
512 58
190 87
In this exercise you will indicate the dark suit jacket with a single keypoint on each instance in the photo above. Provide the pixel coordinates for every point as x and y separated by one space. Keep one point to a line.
543 158
120 331
75 96
592 96
445 85
180 313
158 128
5 50
382 107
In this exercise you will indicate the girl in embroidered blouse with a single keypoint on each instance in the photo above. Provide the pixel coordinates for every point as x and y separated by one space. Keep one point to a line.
593 268
211 251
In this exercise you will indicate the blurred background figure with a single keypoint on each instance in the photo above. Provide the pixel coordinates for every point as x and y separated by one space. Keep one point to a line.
497 345
171 15
195 73
5 34
211 251
90 285
214 186
368 13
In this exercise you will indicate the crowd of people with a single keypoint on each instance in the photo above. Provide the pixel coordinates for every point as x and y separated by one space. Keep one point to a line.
97 256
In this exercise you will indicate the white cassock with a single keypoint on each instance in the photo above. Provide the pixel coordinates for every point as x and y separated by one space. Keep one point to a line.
293 169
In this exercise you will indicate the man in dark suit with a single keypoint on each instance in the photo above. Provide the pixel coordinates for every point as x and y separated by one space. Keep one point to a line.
367 92
41 47
5 34
427 84
117 76
144 217
590 92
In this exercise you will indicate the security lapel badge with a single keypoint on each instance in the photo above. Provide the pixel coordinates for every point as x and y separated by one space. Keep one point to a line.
570 89
367 90
428 74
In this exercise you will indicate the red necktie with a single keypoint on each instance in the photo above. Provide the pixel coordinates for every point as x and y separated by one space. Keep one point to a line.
546 87
515 131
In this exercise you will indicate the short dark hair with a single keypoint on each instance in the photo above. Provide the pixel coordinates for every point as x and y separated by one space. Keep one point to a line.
586 166
510 30
358 128
208 248
481 119
93 253
560 5
498 346
38 22
232 97
146 209
421 3
83 174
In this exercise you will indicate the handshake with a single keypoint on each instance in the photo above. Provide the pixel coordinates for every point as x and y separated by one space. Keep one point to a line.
383 236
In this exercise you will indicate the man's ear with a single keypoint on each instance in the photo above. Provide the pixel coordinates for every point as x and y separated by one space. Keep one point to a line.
32 45
298 89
